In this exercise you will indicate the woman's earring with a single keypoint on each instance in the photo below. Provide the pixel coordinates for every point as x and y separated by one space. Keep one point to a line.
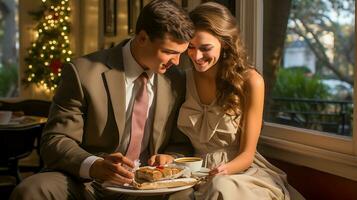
224 54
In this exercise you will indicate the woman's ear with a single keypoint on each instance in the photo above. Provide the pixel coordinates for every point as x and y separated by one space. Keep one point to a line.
224 46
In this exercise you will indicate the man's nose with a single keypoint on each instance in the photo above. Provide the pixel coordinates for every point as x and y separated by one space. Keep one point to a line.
176 60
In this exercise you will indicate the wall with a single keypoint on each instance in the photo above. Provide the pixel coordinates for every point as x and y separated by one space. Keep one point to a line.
316 185
84 38
26 36
77 40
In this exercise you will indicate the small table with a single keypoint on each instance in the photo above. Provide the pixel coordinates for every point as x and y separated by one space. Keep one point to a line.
23 122
17 140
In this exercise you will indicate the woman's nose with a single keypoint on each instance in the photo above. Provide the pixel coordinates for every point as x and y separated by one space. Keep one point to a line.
197 55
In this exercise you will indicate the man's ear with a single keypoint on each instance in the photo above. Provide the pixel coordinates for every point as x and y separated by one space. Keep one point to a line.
143 37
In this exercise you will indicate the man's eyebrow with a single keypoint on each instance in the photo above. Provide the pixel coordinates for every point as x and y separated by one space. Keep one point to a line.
171 51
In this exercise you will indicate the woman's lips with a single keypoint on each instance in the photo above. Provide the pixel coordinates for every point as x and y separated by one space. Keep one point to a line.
201 63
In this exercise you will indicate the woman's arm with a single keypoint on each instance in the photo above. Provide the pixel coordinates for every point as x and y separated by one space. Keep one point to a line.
251 127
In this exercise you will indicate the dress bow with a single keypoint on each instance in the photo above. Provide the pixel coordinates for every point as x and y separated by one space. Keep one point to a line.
203 119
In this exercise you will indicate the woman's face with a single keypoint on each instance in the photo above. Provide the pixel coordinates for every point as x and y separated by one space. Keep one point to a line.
204 50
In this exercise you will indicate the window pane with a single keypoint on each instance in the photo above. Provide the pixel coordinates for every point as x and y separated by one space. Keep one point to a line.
9 49
313 87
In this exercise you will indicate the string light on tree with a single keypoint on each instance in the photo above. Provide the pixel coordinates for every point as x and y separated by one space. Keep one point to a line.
51 48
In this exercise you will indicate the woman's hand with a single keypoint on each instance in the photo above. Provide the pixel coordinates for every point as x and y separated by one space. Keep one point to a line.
160 159
219 170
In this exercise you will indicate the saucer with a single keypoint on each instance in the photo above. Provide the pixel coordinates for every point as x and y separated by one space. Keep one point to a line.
203 172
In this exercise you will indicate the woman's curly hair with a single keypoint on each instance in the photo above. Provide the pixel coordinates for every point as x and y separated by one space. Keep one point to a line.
233 63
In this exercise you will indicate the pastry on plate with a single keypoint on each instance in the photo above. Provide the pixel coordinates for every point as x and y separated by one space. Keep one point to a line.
168 176
152 174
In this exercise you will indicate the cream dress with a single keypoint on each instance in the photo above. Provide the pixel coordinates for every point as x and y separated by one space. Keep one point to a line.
215 139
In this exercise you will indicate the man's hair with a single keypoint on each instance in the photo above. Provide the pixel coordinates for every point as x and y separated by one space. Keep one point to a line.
161 17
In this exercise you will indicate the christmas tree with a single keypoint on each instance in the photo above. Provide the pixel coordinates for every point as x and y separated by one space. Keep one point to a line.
51 49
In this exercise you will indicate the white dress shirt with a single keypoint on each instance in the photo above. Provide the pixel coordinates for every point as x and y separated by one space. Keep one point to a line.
132 71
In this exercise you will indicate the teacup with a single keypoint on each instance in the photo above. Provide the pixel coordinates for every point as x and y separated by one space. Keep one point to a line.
5 117
193 163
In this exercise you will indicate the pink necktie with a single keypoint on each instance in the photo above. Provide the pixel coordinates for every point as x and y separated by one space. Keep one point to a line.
138 118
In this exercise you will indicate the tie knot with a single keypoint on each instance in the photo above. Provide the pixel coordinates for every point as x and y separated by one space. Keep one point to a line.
143 78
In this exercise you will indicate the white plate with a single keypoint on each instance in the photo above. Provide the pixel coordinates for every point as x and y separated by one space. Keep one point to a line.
17 119
23 121
137 192
11 123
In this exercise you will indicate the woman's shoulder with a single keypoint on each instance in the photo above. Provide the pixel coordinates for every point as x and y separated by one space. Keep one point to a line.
253 79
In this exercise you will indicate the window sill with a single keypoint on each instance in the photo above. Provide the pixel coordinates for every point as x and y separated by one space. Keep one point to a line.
339 164
312 138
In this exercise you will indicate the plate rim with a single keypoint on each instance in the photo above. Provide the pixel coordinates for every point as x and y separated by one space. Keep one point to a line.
159 191
148 192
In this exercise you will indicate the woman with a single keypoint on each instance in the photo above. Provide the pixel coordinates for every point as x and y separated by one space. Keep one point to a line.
222 114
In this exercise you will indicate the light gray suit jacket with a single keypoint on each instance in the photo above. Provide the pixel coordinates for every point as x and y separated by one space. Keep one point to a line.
87 116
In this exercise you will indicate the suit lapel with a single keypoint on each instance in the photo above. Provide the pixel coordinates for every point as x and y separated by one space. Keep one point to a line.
115 80
164 102
116 86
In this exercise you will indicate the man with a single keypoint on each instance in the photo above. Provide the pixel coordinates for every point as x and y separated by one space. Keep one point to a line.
114 106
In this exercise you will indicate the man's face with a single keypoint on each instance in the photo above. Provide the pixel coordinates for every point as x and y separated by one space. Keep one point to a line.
161 54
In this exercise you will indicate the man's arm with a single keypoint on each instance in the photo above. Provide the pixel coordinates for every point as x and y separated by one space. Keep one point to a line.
62 135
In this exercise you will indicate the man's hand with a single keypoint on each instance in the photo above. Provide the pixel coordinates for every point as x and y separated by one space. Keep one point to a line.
114 168
160 159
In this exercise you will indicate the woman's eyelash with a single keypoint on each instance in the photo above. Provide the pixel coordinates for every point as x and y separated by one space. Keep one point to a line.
201 49
206 49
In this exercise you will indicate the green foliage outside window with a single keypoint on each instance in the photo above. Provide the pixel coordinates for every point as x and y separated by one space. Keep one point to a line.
298 82
302 100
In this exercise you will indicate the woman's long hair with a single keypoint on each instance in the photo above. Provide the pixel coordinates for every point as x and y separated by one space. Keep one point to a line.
217 20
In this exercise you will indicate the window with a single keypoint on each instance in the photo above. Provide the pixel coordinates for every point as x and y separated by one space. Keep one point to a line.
313 88
9 49
297 130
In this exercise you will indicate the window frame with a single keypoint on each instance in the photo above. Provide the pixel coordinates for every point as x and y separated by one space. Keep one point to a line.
19 69
318 150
